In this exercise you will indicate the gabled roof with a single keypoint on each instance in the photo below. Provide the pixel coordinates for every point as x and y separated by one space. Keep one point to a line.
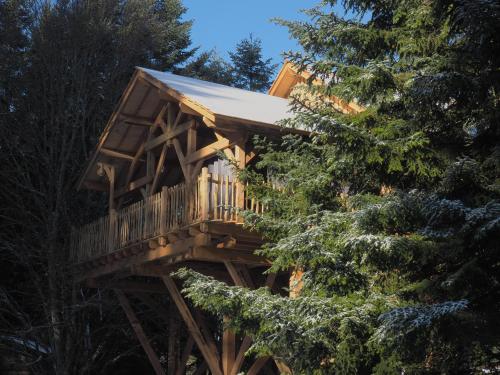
289 76
148 92
224 100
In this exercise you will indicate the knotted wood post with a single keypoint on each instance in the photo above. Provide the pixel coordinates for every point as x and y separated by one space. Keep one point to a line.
204 194
113 215
163 216
240 156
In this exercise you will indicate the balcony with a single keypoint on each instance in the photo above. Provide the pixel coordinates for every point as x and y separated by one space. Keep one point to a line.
213 197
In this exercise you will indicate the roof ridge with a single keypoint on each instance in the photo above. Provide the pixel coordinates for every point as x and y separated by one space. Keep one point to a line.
212 83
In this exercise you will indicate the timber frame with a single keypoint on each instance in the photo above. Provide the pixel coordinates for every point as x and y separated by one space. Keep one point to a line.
169 207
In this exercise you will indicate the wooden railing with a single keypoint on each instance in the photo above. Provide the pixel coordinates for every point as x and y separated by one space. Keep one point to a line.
213 197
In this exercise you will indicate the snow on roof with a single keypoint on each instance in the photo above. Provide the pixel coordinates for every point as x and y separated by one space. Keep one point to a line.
225 100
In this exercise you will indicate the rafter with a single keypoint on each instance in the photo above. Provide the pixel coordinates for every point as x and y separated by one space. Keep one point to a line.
135 120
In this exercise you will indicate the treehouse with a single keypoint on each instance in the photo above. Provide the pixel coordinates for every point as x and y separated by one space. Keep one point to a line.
166 160
175 202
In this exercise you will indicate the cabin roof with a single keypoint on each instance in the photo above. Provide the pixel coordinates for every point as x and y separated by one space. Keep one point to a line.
225 100
147 93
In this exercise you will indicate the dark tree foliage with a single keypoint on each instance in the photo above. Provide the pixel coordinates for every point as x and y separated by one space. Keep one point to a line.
209 66
393 214
250 70
247 70
63 65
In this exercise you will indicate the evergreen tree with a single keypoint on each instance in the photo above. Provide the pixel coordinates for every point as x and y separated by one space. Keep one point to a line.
209 66
63 66
250 70
393 214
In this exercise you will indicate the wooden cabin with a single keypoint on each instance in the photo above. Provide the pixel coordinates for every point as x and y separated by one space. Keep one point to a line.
174 202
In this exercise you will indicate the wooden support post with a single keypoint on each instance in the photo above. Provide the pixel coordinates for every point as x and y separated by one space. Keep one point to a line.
137 327
282 367
190 149
173 333
204 194
159 168
188 348
150 170
163 215
113 215
257 365
228 349
238 362
240 157
210 356
235 274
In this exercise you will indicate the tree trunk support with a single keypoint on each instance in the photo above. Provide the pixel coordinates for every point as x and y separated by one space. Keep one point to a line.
205 344
139 331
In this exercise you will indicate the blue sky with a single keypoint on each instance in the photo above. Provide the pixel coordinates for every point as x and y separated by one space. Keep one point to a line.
221 24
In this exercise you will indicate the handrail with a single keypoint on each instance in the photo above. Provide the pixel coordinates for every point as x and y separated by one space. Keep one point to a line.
212 197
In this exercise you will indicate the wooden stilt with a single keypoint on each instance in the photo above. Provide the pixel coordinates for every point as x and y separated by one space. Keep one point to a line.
173 333
139 331
282 367
188 348
204 343
257 365
228 349
200 370
238 362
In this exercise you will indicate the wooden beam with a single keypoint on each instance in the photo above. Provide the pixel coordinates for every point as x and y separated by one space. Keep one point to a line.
235 275
92 185
134 163
109 126
209 338
173 339
209 151
188 348
128 286
116 154
191 148
179 129
210 254
179 247
182 160
209 123
250 157
159 167
282 367
258 365
134 185
187 110
210 357
228 349
238 362
139 331
135 120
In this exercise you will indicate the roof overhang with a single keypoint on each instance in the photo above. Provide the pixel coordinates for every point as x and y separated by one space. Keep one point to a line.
136 111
